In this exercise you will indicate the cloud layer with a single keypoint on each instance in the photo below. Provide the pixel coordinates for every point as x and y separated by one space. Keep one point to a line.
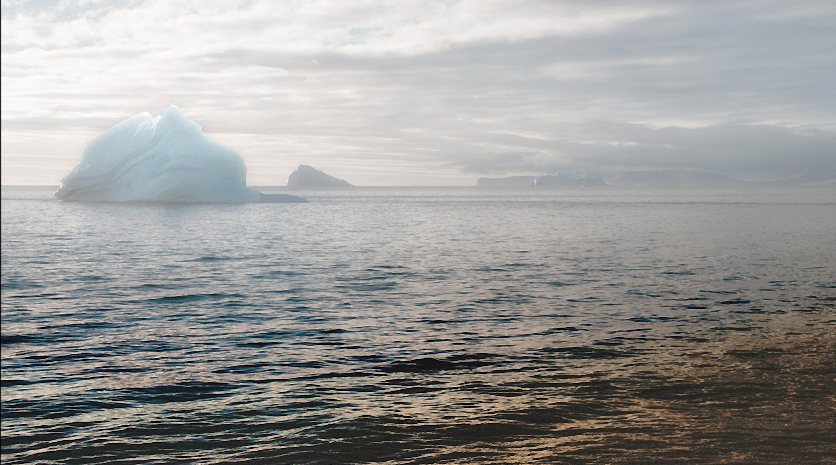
418 92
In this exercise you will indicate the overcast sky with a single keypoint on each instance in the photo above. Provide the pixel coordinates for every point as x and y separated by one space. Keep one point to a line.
431 93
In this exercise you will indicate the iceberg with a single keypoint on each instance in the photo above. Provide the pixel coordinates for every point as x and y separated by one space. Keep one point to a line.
308 177
162 159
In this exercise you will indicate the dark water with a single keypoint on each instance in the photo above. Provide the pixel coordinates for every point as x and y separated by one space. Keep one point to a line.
423 325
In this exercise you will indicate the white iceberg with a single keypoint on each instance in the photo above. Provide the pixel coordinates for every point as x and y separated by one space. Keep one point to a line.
162 159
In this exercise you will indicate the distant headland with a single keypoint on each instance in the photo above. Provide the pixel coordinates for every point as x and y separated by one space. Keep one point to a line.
308 177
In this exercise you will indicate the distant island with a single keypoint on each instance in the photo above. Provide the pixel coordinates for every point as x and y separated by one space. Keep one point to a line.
511 181
652 178
308 177
574 179
705 178
679 178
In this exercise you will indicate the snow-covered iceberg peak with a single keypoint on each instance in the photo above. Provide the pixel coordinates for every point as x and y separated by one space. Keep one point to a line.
162 159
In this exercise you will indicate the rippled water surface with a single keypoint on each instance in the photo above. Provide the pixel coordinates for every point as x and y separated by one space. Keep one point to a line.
419 325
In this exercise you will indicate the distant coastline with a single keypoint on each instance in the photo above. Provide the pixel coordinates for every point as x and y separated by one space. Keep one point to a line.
654 178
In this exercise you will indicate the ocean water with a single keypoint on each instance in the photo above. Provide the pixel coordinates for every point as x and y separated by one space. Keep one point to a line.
420 325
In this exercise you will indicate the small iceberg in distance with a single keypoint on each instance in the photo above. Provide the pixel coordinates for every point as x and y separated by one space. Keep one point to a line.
162 159
308 177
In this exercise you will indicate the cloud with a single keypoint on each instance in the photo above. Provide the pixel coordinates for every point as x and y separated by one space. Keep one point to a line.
746 151
461 87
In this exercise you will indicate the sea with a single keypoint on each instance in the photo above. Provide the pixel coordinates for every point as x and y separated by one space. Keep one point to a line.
407 325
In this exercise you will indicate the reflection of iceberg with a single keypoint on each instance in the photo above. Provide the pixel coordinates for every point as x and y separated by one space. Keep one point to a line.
162 159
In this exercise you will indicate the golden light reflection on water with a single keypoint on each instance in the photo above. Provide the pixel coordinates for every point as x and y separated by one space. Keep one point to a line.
762 396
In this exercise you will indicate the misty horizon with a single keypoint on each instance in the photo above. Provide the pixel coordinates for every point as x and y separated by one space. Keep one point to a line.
436 95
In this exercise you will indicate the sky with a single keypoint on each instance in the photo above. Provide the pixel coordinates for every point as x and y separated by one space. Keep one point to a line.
431 92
